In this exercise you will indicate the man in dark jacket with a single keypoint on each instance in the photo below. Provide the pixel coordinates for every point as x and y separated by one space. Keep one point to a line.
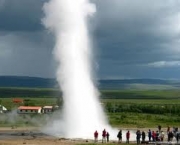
149 135
138 136
143 136
107 136
119 136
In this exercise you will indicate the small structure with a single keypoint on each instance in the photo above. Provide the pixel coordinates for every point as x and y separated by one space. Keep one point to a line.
29 109
47 109
17 100
3 109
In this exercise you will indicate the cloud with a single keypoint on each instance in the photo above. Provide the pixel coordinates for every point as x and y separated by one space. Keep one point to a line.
1 3
25 46
140 25
21 15
28 54
128 36
165 64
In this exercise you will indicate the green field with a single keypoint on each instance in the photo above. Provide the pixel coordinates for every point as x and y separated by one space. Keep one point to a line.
124 108
141 94
105 94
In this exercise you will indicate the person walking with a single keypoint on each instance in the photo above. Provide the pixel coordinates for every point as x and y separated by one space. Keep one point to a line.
119 136
127 137
95 136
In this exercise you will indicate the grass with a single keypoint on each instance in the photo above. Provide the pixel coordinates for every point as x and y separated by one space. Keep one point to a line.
28 92
7 102
141 120
143 101
131 106
141 94
105 94
118 120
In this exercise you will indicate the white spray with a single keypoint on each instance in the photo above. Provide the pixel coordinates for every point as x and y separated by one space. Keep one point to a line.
82 113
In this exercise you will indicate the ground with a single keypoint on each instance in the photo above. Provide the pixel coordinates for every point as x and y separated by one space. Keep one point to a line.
32 136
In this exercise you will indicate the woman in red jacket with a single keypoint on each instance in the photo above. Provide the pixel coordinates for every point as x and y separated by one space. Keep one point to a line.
127 136
96 136
104 136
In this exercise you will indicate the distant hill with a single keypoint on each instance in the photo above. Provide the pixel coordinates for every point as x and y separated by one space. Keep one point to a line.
36 82
147 84
29 82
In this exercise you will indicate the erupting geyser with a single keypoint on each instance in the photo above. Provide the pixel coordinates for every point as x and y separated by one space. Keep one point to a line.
82 112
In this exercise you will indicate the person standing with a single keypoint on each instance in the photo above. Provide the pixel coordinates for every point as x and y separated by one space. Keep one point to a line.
149 135
159 128
119 135
138 136
162 136
168 130
153 136
104 136
96 136
171 135
143 136
127 137
107 136
177 137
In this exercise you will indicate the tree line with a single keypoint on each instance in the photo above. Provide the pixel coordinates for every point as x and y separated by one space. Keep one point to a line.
173 109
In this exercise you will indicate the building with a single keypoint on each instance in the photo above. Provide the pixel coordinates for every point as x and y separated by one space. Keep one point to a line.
47 109
29 109
17 100
3 109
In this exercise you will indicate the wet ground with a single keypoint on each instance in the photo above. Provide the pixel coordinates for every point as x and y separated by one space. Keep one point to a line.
28 136
34 137
21 134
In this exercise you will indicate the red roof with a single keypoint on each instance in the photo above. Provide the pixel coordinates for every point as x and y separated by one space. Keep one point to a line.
17 100
29 107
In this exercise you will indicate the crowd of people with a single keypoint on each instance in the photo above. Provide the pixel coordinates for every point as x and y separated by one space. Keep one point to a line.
105 136
152 136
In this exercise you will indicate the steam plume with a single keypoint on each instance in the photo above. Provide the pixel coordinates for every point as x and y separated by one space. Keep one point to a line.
82 113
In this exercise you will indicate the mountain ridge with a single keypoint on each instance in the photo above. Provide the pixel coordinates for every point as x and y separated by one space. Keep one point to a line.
39 82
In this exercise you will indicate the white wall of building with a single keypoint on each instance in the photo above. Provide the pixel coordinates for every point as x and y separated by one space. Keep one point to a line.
28 111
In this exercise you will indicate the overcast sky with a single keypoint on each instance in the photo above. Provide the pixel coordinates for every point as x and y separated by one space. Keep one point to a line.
132 39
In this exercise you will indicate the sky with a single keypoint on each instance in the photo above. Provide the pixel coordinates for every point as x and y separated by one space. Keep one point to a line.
131 39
